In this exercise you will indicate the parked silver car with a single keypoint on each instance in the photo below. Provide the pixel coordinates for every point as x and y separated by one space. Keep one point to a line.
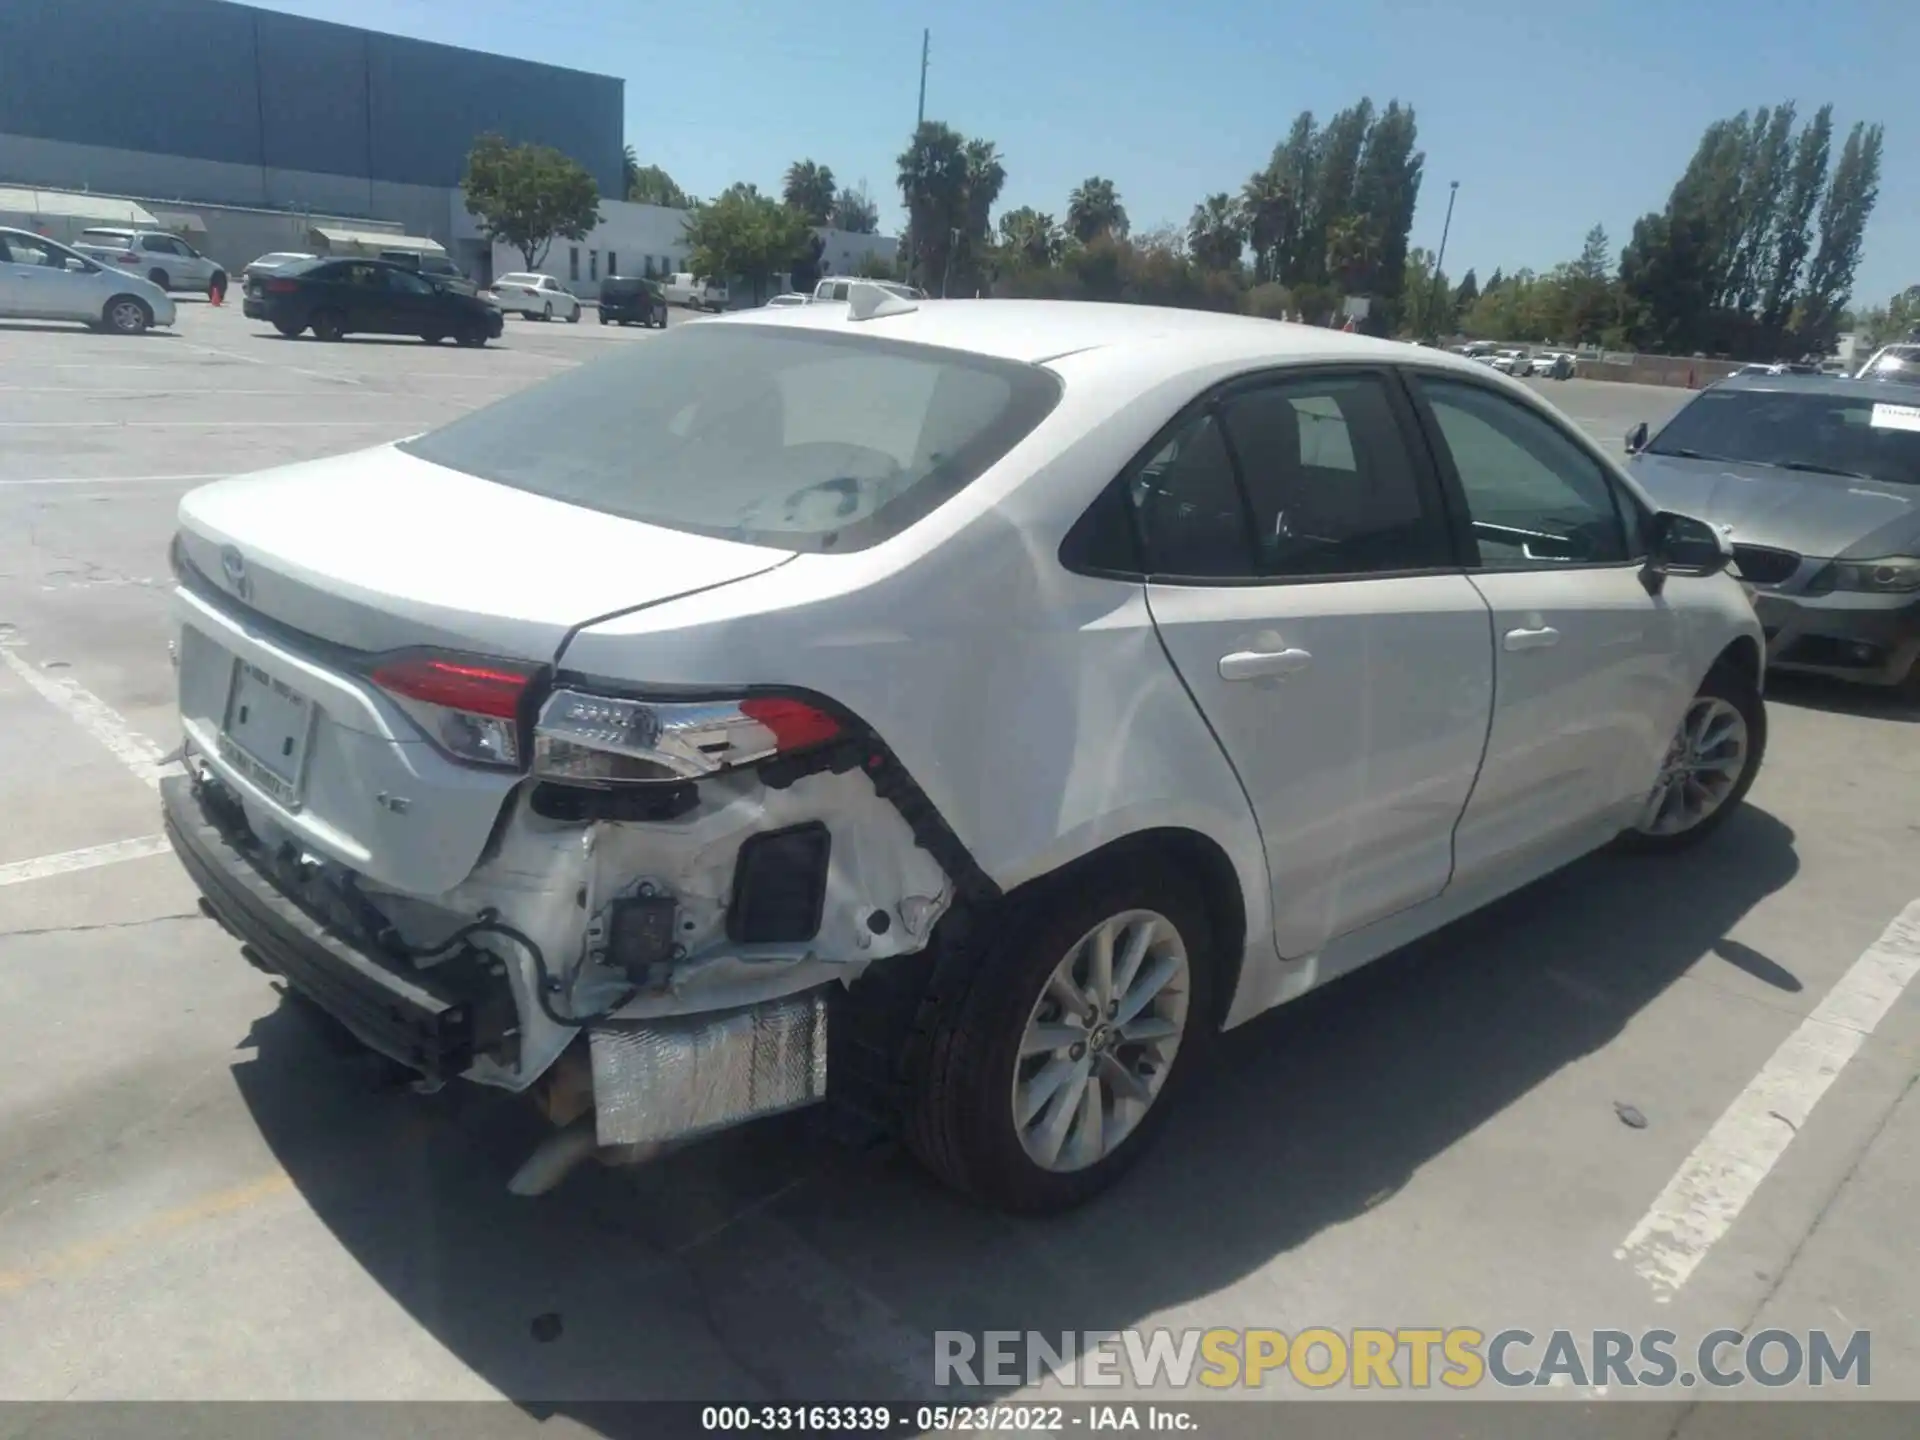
41 279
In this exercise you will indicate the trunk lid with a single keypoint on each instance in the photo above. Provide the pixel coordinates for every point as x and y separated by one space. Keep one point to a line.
380 550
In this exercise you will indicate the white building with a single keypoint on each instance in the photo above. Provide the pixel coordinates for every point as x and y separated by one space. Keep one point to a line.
634 240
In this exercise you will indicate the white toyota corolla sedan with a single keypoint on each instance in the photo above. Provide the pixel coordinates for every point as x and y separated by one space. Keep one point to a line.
959 710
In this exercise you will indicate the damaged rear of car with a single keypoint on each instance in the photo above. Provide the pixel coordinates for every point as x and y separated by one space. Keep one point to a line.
476 759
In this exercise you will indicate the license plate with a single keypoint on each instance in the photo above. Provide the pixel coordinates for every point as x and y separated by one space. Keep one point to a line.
265 733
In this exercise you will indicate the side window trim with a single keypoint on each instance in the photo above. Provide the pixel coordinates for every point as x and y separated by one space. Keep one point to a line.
1449 474
1436 498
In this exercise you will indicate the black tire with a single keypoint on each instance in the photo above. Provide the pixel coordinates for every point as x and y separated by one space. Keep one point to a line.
432 337
126 315
574 318
605 321
961 1068
288 328
546 312
471 339
160 278
1722 683
329 325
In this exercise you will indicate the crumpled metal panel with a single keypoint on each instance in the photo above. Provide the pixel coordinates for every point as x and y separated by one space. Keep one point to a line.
672 1078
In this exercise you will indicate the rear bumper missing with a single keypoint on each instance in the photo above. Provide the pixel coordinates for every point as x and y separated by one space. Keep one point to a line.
417 1019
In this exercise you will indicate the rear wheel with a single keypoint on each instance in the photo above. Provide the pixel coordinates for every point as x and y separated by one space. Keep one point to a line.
1709 766
127 315
160 278
604 320
329 325
1048 1070
546 311
433 337
288 328
574 318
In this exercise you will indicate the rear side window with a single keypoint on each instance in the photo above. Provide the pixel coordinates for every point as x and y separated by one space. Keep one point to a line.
1293 479
765 435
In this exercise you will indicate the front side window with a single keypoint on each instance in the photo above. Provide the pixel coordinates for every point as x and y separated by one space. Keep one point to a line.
1868 437
1535 499
407 283
771 436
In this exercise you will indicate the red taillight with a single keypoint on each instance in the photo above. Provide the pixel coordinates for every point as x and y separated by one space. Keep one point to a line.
794 723
283 287
479 689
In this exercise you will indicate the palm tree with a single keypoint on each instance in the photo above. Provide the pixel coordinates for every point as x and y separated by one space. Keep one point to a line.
630 173
1032 235
1271 206
1094 209
855 211
810 189
1351 248
1217 232
933 183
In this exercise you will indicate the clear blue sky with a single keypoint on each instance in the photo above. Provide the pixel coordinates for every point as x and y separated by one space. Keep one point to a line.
1551 115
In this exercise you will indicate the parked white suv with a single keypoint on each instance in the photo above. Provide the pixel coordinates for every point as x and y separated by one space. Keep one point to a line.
960 711
165 259
41 279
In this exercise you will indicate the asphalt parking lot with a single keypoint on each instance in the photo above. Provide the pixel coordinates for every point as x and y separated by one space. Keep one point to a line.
201 1198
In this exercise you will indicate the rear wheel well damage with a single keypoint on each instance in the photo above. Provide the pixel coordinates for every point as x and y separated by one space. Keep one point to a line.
887 1018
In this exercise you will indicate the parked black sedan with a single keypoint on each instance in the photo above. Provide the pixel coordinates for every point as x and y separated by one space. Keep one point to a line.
335 297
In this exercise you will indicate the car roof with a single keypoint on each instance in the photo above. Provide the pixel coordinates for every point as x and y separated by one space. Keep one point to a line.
1036 331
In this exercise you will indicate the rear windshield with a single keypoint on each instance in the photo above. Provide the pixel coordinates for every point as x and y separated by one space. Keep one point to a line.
763 434
1872 437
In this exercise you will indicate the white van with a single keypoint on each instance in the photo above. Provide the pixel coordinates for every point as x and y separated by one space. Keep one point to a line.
682 288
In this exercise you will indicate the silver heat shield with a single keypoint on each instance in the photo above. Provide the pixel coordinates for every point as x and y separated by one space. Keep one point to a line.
687 1075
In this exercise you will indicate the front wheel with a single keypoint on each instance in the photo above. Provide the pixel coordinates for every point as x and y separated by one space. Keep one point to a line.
472 339
1047 1075
1709 766
127 315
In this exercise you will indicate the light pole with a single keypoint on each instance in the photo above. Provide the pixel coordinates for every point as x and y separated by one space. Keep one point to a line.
1433 319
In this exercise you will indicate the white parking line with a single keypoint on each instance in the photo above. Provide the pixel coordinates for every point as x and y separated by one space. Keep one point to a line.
92 714
114 479
1708 1192
18 872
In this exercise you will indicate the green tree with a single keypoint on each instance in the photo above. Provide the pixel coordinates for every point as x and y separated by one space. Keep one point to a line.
1336 168
1094 209
1898 319
1844 212
1031 237
526 195
986 177
810 189
629 172
855 212
1494 281
1790 238
933 183
1217 232
1666 281
1465 296
1276 199
1385 193
744 235
650 185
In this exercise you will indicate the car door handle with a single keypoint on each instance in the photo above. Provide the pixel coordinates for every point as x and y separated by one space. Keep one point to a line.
1260 664
1539 639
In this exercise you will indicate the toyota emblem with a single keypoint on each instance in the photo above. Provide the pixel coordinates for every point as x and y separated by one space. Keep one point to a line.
234 567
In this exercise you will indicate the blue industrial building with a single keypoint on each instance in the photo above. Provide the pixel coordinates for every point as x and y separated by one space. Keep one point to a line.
219 103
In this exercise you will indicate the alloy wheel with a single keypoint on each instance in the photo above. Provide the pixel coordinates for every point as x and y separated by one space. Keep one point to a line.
1703 766
127 317
1101 1040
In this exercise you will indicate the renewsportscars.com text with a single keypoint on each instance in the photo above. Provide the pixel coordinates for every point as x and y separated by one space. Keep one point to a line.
1459 1358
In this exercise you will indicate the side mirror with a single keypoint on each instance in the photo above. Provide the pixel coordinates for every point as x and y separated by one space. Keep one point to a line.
1681 545
1637 438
